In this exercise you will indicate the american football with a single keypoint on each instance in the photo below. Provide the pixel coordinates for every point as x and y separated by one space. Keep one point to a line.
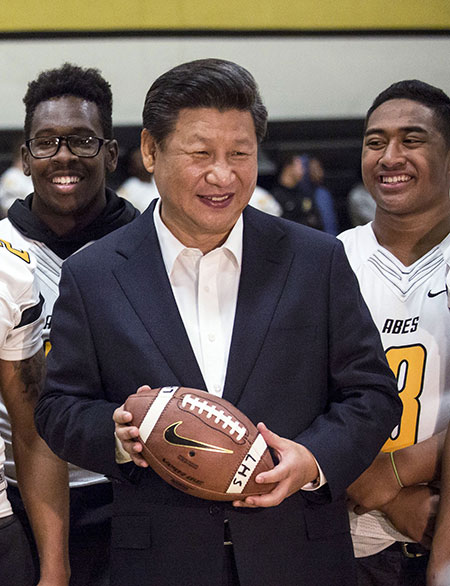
200 443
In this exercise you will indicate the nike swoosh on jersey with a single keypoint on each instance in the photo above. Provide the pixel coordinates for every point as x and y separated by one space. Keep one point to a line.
172 437
430 294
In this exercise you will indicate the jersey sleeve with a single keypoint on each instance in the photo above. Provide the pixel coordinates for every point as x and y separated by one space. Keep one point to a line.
21 306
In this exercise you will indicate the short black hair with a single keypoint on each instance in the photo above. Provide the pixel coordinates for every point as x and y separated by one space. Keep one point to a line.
204 83
424 93
70 80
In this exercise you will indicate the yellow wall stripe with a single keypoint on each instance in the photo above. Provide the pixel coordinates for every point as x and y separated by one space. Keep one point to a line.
116 15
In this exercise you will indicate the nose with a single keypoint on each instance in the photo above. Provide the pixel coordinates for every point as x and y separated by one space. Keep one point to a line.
63 152
220 173
392 155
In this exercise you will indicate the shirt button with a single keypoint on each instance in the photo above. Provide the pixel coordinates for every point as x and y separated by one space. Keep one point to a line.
214 510
211 337
206 288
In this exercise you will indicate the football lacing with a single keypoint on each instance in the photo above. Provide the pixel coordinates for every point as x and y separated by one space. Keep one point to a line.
219 416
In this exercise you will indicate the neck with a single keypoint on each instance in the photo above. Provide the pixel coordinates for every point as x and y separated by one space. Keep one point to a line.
205 243
410 237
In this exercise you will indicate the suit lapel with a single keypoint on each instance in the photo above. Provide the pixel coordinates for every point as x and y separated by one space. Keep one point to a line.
265 265
144 280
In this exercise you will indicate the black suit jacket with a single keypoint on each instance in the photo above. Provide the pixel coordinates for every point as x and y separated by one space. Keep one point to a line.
305 358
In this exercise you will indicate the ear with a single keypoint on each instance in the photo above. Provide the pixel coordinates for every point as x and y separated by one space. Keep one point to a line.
25 160
112 155
148 150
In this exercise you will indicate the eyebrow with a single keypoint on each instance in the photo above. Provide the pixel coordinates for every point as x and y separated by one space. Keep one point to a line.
418 129
205 139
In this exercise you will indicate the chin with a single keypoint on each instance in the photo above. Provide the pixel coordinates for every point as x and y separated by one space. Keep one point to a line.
66 209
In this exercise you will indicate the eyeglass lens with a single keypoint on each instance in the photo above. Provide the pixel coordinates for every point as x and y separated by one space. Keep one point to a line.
82 146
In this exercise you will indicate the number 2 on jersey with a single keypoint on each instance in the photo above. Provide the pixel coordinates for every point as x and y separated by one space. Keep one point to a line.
20 253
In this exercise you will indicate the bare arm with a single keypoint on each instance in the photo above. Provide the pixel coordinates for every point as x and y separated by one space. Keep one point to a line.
439 563
413 512
417 464
42 476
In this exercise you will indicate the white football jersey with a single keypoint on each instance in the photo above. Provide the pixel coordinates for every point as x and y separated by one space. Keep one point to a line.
20 336
409 307
20 323
48 272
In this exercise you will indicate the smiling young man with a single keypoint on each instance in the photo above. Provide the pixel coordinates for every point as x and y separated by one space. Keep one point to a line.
67 155
68 151
205 292
401 261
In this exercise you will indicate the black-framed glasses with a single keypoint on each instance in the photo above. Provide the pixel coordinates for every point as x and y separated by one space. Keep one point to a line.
44 147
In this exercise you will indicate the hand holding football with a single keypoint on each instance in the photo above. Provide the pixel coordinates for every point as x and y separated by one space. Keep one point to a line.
200 443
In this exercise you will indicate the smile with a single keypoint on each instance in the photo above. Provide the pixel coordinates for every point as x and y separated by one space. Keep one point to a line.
395 179
216 198
65 180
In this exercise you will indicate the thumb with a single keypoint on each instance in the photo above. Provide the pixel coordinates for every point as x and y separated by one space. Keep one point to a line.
272 439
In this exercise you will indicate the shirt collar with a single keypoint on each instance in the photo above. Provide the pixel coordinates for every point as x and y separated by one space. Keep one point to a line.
171 247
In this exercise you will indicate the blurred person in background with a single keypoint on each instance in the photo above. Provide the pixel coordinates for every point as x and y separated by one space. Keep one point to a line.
361 205
139 188
296 200
14 184
312 181
263 200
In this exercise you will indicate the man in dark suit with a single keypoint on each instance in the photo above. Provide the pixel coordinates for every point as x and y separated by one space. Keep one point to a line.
202 291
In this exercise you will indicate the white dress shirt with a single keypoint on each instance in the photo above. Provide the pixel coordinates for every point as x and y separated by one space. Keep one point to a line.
205 289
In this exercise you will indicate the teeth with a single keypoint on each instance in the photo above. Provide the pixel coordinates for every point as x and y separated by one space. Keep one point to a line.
396 179
65 180
217 197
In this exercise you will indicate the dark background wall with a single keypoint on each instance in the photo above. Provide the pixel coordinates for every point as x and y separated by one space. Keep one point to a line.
337 143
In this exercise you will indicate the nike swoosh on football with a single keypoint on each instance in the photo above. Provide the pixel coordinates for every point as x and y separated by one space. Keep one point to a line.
172 437
430 294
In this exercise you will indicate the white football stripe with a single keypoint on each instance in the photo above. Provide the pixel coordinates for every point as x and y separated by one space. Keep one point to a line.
154 413
247 466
